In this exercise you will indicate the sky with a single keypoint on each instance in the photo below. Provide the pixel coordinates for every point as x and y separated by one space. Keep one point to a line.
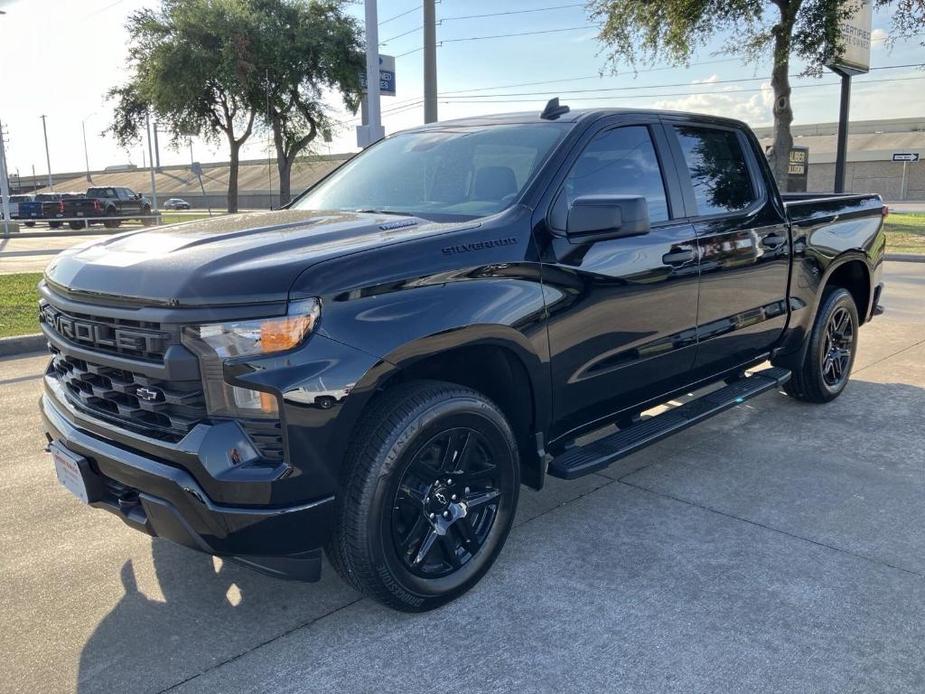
59 57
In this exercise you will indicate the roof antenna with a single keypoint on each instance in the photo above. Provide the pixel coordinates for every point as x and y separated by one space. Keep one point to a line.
553 110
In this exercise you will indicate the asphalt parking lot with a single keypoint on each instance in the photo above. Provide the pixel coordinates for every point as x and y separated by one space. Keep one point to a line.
779 546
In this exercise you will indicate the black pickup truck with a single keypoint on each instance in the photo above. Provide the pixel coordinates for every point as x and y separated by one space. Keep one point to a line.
109 205
376 370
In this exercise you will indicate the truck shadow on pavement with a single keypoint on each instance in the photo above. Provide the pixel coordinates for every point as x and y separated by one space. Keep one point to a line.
213 614
210 612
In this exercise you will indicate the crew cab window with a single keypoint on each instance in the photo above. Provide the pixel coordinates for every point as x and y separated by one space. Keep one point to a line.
450 172
616 162
718 170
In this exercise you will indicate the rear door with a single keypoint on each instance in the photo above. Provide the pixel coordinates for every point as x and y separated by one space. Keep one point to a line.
743 242
622 312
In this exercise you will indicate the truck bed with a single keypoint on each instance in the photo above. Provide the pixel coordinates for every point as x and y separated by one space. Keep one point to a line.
813 208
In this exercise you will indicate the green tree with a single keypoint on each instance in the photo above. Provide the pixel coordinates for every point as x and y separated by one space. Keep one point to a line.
306 51
642 31
193 67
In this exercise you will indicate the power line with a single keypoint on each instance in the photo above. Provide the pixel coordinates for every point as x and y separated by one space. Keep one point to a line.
462 100
415 50
521 33
509 12
400 14
649 86
398 36
591 77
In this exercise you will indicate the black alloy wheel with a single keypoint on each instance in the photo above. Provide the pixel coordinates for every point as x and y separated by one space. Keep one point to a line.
837 351
830 351
428 496
446 503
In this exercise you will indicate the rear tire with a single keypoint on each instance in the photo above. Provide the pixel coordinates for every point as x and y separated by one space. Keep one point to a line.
830 354
54 225
432 473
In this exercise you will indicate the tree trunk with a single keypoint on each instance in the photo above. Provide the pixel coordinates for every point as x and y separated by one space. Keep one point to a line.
233 174
780 84
284 166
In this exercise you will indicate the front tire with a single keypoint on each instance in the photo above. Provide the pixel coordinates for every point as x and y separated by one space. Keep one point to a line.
830 354
428 496
110 222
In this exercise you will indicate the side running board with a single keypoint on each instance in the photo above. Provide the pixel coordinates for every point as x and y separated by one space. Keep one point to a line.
583 460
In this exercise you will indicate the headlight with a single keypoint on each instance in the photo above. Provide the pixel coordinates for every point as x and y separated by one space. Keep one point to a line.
215 343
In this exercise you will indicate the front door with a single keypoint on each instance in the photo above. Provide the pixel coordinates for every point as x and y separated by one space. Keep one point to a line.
622 312
743 241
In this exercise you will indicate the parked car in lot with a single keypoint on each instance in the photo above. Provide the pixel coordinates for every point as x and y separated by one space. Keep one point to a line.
13 203
46 207
176 204
109 205
378 368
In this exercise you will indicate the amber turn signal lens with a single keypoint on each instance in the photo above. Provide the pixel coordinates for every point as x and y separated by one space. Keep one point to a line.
285 333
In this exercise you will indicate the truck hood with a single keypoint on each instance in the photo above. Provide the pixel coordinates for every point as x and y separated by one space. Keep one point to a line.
233 259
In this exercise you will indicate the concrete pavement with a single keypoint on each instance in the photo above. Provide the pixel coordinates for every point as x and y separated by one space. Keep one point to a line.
779 546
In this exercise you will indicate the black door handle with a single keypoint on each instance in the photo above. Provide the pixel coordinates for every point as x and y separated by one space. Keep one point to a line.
773 241
678 257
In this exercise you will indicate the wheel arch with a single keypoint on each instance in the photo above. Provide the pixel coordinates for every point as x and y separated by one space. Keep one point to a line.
497 364
850 272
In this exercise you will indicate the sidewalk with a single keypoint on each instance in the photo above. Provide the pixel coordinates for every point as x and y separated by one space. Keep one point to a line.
33 254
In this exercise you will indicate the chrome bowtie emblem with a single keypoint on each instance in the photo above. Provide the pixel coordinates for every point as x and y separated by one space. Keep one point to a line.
148 394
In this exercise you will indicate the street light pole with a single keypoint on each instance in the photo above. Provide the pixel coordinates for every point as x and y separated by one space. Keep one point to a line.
83 129
151 162
51 184
4 186
430 62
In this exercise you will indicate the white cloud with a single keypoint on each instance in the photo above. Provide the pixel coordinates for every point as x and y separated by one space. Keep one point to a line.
753 108
877 37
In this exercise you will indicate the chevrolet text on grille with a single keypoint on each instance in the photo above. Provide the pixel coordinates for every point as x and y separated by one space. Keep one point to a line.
99 334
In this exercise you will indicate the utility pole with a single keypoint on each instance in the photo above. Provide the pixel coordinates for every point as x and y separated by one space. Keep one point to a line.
151 160
51 184
83 129
430 62
373 131
4 185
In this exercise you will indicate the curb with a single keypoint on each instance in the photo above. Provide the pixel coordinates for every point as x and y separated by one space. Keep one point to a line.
905 257
22 344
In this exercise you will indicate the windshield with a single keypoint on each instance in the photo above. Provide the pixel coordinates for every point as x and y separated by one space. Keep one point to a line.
452 172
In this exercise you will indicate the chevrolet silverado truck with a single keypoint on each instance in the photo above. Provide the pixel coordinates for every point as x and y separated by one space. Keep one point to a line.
109 205
374 371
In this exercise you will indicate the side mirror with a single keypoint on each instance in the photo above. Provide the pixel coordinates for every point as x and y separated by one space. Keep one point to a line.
600 217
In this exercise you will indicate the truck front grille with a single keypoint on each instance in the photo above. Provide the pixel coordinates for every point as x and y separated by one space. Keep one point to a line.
127 338
165 410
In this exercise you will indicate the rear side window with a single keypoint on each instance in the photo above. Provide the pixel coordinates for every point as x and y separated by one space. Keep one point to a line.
718 171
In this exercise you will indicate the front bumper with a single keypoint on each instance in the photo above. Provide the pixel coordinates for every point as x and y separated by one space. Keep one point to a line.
163 500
